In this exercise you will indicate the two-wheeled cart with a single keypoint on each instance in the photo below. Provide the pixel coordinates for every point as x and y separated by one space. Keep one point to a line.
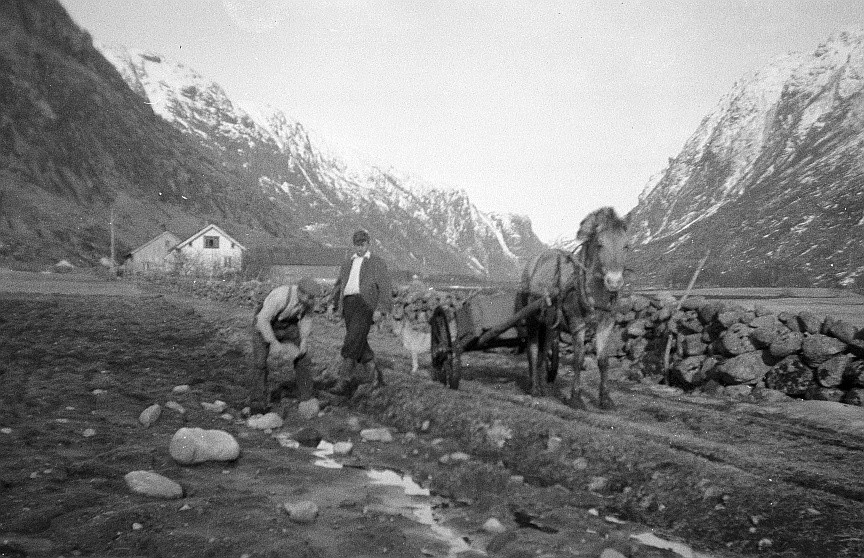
484 321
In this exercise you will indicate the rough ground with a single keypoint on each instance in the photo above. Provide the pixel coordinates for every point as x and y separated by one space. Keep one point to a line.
729 478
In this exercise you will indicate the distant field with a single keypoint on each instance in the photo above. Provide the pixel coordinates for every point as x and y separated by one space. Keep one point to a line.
845 305
841 304
64 283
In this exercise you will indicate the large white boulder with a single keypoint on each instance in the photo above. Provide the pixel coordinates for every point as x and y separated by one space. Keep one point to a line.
196 445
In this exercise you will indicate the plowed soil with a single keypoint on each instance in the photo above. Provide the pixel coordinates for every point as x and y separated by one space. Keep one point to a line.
81 359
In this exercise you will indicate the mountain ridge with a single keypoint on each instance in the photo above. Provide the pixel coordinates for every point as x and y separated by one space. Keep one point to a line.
76 141
202 108
770 183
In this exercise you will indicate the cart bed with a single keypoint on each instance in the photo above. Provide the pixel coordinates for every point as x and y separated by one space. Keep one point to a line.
483 312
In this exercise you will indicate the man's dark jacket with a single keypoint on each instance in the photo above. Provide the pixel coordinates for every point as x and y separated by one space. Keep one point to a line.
375 285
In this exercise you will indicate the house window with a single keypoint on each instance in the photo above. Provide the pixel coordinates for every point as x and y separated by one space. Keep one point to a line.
211 242
226 261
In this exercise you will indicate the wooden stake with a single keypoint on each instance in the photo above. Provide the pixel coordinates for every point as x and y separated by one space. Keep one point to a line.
677 309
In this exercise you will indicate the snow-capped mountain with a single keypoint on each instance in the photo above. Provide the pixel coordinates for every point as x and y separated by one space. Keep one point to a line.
771 182
421 227
161 148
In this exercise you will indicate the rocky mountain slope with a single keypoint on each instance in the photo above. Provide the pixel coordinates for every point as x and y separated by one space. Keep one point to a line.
771 183
167 149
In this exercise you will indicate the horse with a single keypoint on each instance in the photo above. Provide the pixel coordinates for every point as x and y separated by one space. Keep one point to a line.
581 289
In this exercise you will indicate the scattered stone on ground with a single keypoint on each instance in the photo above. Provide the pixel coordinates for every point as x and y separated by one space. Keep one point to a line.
455 457
492 525
286 441
196 445
308 436
342 448
309 409
269 421
153 484
353 424
302 511
611 553
376 435
215 407
175 406
150 415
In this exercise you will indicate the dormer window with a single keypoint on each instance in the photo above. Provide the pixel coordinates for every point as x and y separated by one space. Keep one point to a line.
211 242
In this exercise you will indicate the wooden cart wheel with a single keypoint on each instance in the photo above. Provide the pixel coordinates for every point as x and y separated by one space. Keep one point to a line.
445 361
553 357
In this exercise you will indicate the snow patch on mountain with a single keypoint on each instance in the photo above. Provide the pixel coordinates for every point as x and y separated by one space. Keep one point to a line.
300 169
778 162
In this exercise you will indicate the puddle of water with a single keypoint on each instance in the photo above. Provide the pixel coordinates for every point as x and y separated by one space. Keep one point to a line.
681 549
392 478
400 495
405 502
324 453
410 500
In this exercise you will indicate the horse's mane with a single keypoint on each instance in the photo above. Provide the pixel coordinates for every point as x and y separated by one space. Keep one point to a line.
598 220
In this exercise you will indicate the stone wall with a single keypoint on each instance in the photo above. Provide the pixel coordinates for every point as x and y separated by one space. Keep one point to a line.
717 347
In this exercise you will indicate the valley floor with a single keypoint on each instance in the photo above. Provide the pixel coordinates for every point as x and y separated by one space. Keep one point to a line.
80 359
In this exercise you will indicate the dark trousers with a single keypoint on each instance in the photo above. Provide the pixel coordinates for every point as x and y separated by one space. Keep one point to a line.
259 389
358 322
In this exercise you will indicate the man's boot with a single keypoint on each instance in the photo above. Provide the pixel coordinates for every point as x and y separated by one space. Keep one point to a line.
373 374
345 384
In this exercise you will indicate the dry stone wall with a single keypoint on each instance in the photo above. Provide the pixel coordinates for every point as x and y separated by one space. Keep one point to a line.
714 346
717 347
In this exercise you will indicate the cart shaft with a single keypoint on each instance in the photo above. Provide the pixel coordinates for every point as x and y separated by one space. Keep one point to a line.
498 329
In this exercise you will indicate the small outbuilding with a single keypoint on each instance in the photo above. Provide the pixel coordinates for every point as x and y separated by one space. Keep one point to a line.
150 256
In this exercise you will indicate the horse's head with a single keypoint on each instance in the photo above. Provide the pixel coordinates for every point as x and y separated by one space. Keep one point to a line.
604 237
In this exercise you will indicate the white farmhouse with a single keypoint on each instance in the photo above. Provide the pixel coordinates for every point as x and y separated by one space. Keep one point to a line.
210 249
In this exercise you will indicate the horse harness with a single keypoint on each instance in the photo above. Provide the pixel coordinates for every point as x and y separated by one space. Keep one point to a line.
579 282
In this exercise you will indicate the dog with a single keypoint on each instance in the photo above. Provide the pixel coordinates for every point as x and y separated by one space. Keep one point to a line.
415 341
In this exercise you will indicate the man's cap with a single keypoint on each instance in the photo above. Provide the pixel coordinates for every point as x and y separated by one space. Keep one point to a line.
309 286
360 237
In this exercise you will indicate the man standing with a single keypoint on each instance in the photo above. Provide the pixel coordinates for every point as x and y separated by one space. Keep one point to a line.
363 291
280 339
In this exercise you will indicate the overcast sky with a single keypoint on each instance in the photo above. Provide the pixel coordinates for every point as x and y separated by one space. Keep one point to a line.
547 109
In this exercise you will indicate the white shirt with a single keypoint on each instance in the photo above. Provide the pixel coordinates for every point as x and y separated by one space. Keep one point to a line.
352 286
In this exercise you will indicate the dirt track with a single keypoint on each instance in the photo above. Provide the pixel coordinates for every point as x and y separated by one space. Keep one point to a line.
730 478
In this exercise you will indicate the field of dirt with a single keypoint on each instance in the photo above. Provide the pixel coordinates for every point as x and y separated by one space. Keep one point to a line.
704 476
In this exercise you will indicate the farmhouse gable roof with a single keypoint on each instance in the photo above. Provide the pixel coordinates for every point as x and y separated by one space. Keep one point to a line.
209 228
165 235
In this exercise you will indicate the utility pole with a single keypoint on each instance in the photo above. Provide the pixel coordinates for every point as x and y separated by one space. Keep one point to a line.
113 260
